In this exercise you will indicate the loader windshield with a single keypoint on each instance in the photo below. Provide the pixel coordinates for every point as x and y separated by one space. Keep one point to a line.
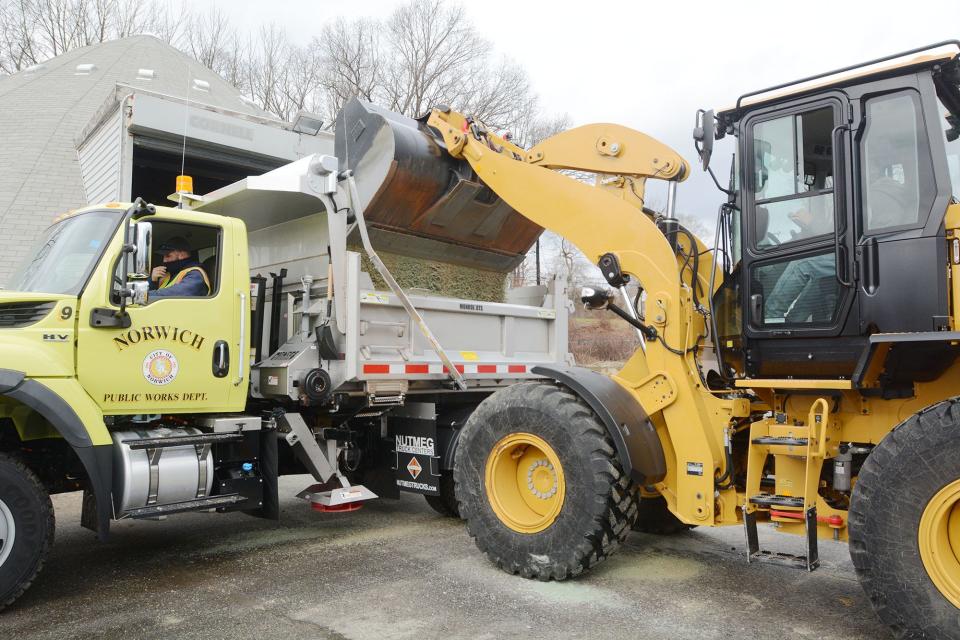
66 254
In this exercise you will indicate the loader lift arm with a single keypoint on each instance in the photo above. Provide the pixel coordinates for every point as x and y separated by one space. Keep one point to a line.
609 219
599 219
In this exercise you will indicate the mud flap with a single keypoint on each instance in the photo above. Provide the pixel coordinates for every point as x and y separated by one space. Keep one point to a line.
417 458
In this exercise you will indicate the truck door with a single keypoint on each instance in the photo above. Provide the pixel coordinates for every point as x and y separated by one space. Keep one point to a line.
797 248
180 353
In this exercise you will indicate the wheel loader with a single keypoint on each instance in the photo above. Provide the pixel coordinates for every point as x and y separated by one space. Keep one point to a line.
801 373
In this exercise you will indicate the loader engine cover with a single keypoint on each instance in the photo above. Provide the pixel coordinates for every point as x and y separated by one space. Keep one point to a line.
419 201
144 477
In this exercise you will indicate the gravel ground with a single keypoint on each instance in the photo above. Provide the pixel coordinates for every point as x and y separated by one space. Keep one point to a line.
397 570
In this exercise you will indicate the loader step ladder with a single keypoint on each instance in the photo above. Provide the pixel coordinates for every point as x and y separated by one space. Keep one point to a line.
754 554
798 452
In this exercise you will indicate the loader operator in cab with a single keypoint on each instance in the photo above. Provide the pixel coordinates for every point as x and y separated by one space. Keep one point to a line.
180 275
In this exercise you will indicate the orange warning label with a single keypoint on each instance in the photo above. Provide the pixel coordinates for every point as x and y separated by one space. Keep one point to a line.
414 467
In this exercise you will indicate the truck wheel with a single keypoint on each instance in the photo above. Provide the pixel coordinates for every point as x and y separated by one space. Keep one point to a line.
905 525
539 483
654 517
446 503
26 528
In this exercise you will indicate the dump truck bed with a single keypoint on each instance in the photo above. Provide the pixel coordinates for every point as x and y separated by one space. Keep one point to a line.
374 347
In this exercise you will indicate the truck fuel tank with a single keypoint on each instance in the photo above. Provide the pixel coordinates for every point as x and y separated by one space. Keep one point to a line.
419 200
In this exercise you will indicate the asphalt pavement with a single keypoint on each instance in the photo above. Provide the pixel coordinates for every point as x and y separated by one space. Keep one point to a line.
396 570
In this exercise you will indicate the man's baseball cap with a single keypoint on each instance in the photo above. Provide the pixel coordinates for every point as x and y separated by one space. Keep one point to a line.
176 243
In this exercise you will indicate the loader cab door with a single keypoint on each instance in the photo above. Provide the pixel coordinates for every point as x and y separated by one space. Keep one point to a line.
903 188
796 243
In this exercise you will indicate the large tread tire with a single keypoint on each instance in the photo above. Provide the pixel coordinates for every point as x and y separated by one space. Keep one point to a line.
654 517
446 503
600 502
29 504
900 476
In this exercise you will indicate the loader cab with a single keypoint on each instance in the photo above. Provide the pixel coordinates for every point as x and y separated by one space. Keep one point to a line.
835 226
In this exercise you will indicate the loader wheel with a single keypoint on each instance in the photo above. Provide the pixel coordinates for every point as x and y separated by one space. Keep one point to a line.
539 484
654 517
446 503
26 528
905 525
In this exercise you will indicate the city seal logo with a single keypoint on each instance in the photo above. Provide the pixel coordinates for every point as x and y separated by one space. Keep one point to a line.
160 367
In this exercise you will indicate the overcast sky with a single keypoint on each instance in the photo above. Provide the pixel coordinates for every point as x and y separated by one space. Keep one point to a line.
650 65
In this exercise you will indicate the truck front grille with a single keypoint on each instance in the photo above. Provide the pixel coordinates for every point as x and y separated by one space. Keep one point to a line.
23 314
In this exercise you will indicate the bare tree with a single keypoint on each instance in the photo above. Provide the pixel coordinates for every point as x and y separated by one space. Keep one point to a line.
352 58
18 44
208 36
426 52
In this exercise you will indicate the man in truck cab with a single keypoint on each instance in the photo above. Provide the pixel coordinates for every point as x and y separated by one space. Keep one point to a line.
180 275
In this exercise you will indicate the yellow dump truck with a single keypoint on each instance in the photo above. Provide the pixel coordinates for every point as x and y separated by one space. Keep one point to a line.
288 354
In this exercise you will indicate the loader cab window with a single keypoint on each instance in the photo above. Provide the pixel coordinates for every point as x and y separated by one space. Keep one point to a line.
951 132
793 178
896 167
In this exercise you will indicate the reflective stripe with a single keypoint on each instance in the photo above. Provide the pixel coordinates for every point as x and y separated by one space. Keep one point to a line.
167 282
437 368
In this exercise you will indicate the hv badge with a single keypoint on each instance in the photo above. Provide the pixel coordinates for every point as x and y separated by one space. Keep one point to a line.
160 367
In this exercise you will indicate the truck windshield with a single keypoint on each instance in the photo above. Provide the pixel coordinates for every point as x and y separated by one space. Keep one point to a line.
66 254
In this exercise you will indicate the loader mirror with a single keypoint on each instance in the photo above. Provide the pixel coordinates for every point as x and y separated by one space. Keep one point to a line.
143 243
704 134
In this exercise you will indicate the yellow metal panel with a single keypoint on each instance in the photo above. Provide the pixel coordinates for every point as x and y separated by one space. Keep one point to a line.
952 224
790 383
46 347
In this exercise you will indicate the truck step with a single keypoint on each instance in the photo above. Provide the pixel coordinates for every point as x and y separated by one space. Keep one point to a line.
788 441
181 441
771 500
201 504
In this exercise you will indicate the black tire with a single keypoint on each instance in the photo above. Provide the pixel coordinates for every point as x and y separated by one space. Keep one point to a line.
900 476
599 504
654 517
446 503
28 503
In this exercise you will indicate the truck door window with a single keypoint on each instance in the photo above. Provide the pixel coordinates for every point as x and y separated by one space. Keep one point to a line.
894 162
199 244
793 178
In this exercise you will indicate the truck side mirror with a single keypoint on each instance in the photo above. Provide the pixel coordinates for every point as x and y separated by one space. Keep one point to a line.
139 292
143 248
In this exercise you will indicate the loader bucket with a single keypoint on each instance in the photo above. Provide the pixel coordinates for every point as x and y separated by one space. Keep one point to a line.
421 202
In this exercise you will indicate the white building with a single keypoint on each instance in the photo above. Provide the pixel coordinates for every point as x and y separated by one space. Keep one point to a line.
118 120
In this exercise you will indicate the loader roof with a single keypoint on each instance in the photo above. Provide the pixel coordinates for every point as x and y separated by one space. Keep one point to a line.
923 57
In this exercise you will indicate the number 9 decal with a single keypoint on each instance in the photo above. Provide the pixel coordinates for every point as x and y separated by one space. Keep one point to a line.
65 313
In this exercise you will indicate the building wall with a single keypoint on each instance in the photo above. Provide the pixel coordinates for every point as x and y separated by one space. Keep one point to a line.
43 111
